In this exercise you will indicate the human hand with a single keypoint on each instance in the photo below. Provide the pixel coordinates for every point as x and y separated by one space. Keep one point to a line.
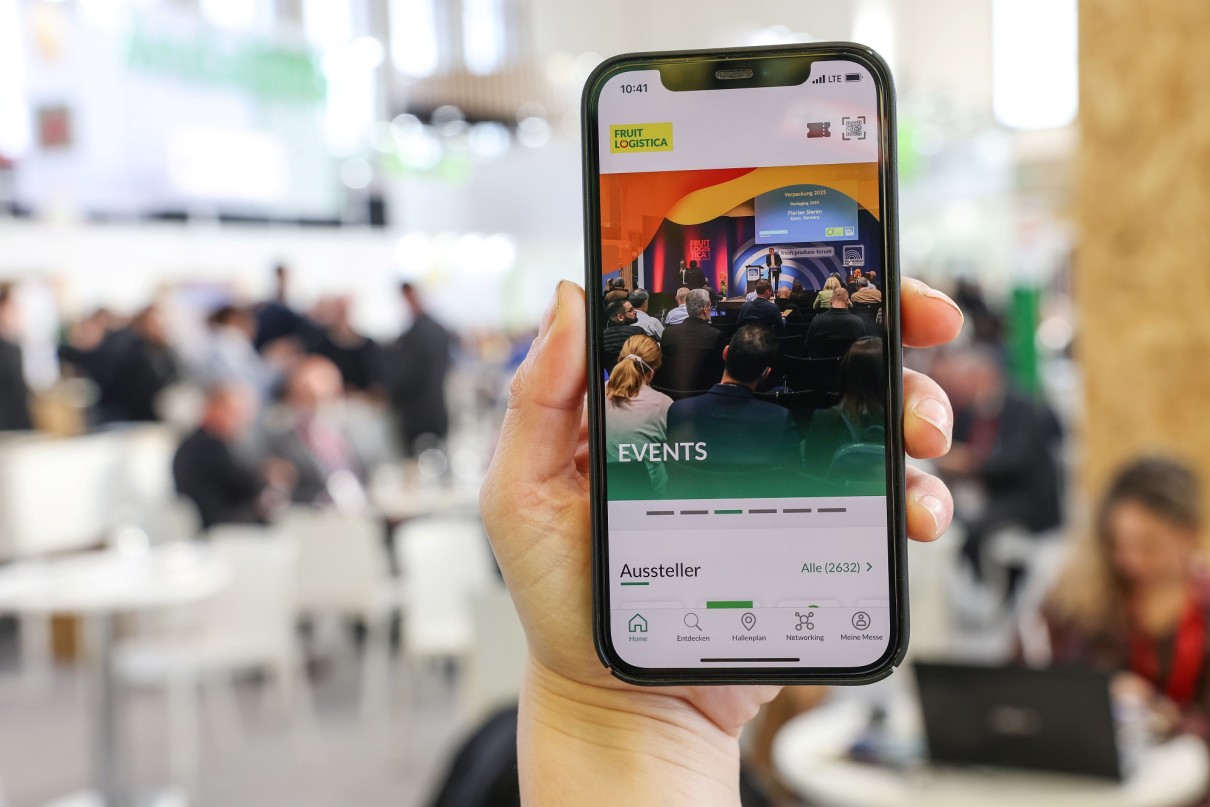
535 505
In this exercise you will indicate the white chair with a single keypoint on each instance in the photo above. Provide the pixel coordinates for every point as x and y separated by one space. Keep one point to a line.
445 563
495 666
344 570
248 626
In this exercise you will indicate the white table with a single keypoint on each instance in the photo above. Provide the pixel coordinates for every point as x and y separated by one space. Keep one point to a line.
100 586
810 756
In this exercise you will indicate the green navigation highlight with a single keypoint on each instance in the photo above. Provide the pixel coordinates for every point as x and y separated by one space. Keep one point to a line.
729 603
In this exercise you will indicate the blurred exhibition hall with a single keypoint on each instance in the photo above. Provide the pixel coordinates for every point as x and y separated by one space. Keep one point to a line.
267 268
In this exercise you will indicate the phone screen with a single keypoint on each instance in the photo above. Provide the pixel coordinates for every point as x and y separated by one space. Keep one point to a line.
744 371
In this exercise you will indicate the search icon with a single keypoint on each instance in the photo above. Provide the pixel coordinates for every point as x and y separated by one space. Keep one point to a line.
691 621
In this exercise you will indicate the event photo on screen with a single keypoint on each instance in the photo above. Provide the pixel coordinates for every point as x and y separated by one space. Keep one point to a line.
743 345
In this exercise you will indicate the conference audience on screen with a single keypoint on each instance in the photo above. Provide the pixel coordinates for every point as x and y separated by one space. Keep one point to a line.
616 290
639 300
634 412
799 295
207 469
762 310
866 293
859 418
730 418
785 304
619 326
823 300
680 313
693 350
835 328
872 277
1135 598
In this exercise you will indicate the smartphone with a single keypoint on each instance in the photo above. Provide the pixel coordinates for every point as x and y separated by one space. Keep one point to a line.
747 472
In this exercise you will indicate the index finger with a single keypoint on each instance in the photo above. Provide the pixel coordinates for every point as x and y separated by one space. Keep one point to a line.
927 317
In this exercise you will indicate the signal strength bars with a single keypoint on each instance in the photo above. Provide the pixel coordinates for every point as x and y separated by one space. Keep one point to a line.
819 80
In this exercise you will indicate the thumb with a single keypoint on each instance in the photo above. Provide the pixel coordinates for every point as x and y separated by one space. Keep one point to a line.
542 426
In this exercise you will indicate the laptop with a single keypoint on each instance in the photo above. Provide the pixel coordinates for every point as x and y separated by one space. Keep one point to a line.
1058 719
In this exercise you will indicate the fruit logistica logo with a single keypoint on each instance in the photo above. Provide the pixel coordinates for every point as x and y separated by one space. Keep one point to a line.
632 137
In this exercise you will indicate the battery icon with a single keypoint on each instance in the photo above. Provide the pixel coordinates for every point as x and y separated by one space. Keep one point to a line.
852 76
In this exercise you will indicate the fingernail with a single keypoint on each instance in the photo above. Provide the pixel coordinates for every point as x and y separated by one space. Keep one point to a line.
936 509
935 413
929 291
552 310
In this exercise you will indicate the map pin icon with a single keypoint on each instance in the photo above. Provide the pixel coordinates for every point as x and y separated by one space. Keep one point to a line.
748 620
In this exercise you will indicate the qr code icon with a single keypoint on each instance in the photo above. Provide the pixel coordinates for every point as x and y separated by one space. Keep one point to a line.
854 128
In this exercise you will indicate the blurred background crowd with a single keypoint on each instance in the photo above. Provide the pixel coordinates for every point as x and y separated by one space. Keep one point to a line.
266 269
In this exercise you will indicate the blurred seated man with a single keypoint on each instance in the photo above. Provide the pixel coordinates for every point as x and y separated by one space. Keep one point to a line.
619 326
207 470
616 290
639 300
145 366
306 432
680 313
1004 460
835 328
866 293
729 419
1135 597
762 310
872 276
693 350
785 304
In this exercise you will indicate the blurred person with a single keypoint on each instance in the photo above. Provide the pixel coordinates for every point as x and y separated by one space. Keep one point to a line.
619 326
872 277
786 306
680 313
306 431
14 392
987 324
584 737
728 416
866 293
634 412
773 261
835 328
1003 463
616 290
860 415
639 300
275 319
695 278
824 298
231 356
1135 597
693 350
419 362
761 310
207 470
356 356
799 295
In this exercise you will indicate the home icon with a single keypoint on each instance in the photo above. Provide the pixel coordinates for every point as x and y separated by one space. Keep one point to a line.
638 624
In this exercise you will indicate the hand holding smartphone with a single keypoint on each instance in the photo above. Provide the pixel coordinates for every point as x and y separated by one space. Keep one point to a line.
746 451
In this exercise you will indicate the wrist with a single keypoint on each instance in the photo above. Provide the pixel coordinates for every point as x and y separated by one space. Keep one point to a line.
587 744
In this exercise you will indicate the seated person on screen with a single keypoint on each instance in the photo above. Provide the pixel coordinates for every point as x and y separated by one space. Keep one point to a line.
835 328
1136 597
788 308
619 326
872 276
639 300
207 470
680 313
693 350
823 300
616 290
866 293
634 412
762 310
859 417
729 418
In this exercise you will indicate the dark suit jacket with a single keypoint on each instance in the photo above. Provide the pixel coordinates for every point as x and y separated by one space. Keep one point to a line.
694 278
774 260
14 396
693 356
832 331
224 489
612 340
420 360
762 312
738 429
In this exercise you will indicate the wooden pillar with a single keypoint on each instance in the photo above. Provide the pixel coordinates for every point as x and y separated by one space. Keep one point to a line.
1142 281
